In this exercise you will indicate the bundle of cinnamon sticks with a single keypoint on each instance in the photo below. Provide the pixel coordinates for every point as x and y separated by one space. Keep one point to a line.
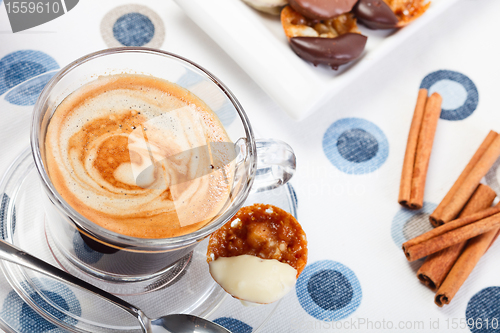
466 224
454 248
437 265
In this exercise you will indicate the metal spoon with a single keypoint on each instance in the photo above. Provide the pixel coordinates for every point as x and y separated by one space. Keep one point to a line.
173 323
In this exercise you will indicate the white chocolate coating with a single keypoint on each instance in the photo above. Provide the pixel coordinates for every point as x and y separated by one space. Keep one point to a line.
253 279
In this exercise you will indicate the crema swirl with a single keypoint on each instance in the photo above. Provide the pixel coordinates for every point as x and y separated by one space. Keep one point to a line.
139 156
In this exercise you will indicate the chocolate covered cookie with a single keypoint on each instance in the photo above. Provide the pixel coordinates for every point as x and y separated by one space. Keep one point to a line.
332 42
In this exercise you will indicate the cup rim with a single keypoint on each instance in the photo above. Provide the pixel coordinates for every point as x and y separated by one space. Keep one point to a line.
140 244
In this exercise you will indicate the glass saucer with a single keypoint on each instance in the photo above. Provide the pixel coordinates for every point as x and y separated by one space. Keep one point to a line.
58 307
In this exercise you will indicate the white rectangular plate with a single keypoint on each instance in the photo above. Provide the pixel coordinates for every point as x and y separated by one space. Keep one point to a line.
258 44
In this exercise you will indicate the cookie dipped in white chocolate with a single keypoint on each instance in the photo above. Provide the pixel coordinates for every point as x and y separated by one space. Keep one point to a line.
252 279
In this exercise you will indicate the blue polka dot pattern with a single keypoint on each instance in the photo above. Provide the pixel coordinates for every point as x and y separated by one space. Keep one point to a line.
21 66
332 283
328 290
27 92
234 325
226 112
408 224
355 146
20 71
133 29
22 317
484 308
3 214
84 252
31 321
4 204
460 95
132 25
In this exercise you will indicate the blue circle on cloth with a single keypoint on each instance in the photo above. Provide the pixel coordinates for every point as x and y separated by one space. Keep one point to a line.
84 252
408 223
132 25
133 29
4 204
226 112
484 308
234 325
460 95
3 213
355 145
332 283
22 317
22 70
328 290
27 93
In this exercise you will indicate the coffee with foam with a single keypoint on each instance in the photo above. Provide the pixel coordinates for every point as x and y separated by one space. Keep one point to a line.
140 156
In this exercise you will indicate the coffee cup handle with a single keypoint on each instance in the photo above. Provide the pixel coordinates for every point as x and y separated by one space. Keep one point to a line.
275 164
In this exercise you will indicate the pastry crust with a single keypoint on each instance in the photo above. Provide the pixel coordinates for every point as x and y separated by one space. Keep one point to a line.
407 10
296 25
265 231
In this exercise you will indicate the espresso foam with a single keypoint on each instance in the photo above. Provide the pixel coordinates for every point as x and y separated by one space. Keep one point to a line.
134 154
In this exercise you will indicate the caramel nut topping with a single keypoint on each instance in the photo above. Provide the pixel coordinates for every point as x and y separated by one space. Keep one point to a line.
296 25
263 231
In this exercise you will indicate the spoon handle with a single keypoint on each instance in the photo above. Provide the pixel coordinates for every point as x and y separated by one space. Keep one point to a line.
14 255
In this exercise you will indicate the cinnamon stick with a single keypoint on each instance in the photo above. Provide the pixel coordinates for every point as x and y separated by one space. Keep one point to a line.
424 149
411 148
435 217
474 250
451 226
464 192
437 265
482 198
494 239
452 233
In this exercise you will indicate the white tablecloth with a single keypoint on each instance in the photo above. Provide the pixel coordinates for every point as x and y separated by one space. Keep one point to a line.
349 156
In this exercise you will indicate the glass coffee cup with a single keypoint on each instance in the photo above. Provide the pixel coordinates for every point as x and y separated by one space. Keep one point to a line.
259 165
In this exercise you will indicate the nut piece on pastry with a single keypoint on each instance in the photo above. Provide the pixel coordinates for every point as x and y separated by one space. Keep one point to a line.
333 42
407 10
296 25
387 14
322 9
267 6
259 254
